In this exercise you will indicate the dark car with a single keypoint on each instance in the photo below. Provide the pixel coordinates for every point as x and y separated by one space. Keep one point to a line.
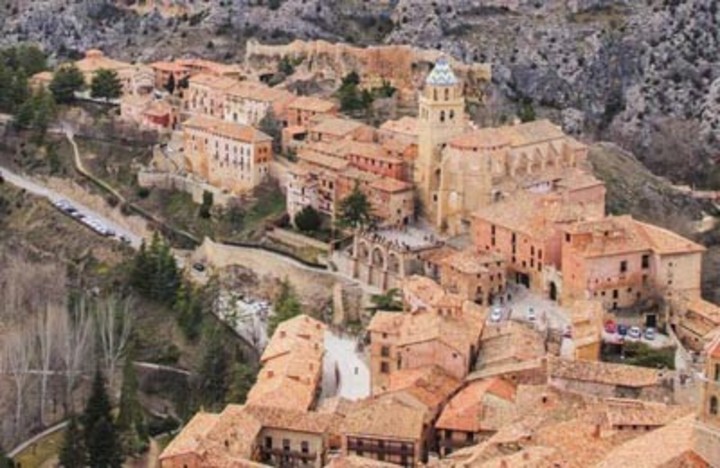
622 330
198 267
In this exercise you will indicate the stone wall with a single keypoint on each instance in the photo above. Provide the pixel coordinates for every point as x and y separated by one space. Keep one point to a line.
195 188
295 239
405 67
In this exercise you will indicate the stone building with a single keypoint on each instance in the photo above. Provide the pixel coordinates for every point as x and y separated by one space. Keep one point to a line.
247 102
620 261
527 229
135 78
183 69
303 109
229 156
437 328
695 321
474 414
707 429
476 276
206 94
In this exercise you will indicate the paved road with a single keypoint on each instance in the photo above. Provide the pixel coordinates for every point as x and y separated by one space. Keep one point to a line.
36 188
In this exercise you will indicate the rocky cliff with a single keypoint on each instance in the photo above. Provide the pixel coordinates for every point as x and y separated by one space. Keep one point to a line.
637 72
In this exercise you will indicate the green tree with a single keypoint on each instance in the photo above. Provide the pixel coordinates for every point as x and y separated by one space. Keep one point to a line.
106 85
286 306
189 308
308 219
526 112
131 421
354 210
212 375
391 300
271 126
97 407
66 82
6 82
207 203
72 452
104 450
242 380
154 273
5 462
285 66
24 116
170 85
31 59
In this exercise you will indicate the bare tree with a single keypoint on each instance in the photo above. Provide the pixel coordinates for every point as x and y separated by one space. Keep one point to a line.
47 334
114 324
75 331
17 358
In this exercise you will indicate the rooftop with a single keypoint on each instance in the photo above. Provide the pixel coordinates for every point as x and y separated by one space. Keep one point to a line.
336 126
472 262
602 372
386 418
226 129
430 385
407 126
509 136
312 104
441 74
481 405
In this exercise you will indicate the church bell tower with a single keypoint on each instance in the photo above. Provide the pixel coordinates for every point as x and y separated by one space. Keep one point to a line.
441 116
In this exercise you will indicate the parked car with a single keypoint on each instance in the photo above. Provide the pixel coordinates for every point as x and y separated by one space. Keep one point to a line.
531 316
622 330
496 314
650 333
634 333
198 267
611 326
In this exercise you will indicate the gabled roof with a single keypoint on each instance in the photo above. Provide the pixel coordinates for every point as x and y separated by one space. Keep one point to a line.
430 385
473 409
222 128
385 418
602 373
191 438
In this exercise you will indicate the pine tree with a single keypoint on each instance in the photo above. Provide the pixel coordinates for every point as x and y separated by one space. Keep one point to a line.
72 452
104 449
354 210
287 306
243 378
66 81
106 85
130 421
97 408
213 371
103 446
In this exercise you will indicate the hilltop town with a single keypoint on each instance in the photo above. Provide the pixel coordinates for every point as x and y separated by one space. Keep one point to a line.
465 297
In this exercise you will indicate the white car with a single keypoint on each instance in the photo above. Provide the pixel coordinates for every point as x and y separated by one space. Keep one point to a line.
634 333
496 314
531 315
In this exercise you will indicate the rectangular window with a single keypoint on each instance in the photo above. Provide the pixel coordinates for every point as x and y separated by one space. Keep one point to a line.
615 293
286 445
385 351
384 368
492 229
623 266
646 261
532 250
304 447
268 442
567 237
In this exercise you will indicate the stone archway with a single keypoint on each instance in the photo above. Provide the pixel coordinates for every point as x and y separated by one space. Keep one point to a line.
393 263
378 258
363 251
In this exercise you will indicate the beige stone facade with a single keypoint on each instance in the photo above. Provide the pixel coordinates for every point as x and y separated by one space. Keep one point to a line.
229 156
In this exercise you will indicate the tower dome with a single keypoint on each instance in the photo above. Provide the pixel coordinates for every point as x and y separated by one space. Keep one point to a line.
441 74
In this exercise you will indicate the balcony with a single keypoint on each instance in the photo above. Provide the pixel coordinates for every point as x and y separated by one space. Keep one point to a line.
295 454
387 448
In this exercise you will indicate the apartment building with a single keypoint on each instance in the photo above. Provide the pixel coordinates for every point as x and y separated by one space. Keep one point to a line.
620 261
206 94
229 156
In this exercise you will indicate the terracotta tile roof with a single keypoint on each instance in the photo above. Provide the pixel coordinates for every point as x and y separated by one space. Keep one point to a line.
471 261
96 61
398 144
238 428
385 418
292 333
513 136
225 129
625 412
316 158
429 385
423 288
192 436
390 185
336 126
312 104
209 80
539 216
158 109
371 151
256 91
436 256
404 125
459 332
657 448
480 406
168 66
619 234
290 420
602 372
704 308
386 322
511 342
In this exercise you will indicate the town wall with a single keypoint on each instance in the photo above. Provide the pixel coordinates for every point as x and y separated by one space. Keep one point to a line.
195 188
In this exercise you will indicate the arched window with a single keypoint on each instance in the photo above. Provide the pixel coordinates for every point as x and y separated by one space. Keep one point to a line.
447 94
442 116
713 405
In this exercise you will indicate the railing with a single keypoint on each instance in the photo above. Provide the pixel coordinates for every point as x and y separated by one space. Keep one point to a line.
387 448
